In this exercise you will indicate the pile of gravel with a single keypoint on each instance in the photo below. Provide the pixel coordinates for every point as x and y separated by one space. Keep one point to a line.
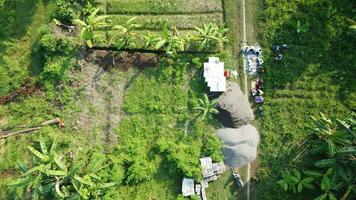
235 109
240 145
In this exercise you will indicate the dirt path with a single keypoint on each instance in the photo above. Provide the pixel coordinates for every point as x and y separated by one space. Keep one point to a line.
249 13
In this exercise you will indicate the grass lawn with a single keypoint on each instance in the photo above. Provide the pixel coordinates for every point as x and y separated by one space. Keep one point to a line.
20 22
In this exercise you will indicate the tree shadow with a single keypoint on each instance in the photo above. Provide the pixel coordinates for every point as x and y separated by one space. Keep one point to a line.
15 16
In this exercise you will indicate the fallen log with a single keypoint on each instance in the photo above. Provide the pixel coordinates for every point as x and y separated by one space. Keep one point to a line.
5 134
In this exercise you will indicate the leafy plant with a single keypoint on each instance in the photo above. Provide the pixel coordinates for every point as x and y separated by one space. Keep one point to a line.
210 36
89 25
207 107
302 28
52 176
293 180
124 35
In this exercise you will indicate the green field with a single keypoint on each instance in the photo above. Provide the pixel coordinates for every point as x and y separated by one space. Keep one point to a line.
184 15
162 6
316 75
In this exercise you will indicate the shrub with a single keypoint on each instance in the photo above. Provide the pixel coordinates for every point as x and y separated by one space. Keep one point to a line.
66 10
47 43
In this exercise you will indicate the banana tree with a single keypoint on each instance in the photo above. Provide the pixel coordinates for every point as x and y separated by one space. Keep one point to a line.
330 135
48 169
151 40
207 107
90 185
337 138
124 35
89 25
293 180
328 183
209 36
52 177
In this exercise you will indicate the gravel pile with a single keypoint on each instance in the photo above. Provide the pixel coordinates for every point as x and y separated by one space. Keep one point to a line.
235 109
240 145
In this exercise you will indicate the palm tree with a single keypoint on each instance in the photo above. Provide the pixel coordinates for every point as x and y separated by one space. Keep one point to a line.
90 24
123 35
207 107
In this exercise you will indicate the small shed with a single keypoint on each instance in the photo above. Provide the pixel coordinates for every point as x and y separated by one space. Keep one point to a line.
214 75
188 188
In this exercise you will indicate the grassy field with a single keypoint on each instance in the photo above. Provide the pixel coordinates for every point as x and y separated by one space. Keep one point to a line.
20 22
162 6
316 75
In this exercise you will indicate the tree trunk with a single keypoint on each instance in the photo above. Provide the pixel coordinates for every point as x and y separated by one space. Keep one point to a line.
5 134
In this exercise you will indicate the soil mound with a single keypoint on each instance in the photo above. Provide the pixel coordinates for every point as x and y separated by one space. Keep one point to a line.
240 145
122 60
235 109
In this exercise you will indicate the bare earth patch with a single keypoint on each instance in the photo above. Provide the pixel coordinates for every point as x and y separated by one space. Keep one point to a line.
99 98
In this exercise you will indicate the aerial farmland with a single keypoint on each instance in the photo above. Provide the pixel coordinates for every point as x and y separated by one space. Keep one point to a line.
177 99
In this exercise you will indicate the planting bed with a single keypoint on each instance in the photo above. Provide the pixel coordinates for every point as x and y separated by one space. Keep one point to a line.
152 15
161 6
181 21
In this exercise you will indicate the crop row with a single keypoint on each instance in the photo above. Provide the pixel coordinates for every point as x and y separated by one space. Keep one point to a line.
181 21
104 38
161 6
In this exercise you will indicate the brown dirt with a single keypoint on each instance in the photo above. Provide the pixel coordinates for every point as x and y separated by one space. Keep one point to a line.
121 60
29 88
7 173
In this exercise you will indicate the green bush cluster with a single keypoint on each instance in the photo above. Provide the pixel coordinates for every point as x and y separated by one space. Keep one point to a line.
162 128
56 57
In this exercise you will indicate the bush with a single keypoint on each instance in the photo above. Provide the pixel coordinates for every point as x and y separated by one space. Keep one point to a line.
47 43
66 10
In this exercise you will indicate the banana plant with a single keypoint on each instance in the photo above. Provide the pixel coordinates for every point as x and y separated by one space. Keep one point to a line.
337 138
91 185
207 107
332 135
89 25
48 168
52 177
124 35
293 180
151 40
329 182
209 36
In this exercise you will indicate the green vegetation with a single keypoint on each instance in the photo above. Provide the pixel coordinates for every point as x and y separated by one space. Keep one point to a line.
133 133
51 176
316 74
159 139
162 6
